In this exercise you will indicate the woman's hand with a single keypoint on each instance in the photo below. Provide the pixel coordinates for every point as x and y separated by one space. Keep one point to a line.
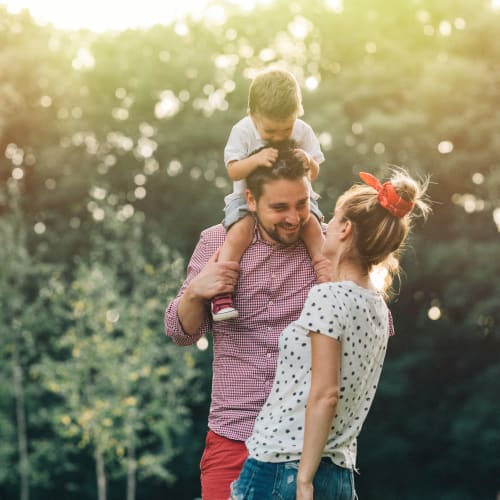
305 491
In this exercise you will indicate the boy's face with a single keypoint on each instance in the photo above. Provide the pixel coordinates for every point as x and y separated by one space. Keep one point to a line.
272 130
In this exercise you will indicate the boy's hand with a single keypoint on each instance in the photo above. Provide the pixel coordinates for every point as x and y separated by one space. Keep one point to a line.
302 155
266 157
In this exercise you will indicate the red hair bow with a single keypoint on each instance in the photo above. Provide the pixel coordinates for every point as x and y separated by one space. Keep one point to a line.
387 196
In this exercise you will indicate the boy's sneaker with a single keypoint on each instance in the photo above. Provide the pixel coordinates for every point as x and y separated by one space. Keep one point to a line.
222 308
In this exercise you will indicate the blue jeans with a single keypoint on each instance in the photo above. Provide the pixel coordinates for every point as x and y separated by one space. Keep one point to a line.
278 481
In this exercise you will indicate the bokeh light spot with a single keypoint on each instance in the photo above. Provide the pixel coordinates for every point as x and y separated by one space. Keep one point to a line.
140 193
434 313
45 101
445 28
335 5
167 106
17 173
371 47
202 344
445 147
181 29
300 27
357 128
112 315
39 228
496 217
478 178
174 168
378 277
83 60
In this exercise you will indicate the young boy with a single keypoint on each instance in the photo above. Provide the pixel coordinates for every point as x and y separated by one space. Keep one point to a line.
274 105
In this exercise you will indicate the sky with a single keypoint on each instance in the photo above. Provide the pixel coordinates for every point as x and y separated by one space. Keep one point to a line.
102 15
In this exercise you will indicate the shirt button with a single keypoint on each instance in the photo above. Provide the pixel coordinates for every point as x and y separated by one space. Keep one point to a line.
271 302
268 354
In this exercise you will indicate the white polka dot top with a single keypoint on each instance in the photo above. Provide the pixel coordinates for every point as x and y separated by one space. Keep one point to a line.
358 318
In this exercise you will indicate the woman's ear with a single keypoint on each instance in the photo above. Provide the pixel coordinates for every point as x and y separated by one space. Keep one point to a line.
346 230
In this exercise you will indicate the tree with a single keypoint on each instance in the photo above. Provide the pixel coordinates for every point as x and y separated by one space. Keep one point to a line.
114 372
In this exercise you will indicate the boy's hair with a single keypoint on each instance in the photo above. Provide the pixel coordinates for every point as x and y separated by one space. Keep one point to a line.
275 94
287 166
379 235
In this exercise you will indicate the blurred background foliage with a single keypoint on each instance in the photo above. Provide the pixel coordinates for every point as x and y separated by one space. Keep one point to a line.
111 164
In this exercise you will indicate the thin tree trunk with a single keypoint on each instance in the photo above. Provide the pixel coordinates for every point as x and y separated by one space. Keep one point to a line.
22 438
100 474
131 468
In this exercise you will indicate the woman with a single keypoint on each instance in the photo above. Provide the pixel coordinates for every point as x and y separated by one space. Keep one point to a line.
332 356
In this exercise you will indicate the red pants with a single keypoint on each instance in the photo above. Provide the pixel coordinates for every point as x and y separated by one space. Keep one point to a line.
220 465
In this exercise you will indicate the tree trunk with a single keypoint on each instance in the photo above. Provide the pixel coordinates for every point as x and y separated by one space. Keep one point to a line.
100 474
131 468
22 438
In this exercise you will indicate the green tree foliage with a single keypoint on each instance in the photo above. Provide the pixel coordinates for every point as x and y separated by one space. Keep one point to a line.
111 163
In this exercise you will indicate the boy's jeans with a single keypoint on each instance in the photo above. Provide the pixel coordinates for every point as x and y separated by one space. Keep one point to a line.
277 481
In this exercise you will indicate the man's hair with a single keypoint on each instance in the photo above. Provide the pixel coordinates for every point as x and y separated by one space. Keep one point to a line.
275 94
287 166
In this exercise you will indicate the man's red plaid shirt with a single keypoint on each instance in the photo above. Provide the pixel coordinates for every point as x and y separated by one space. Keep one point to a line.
272 288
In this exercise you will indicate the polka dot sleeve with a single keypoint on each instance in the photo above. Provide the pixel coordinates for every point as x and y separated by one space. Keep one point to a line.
323 311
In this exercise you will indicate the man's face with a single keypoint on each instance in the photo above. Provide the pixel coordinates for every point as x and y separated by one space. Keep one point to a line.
282 210
272 130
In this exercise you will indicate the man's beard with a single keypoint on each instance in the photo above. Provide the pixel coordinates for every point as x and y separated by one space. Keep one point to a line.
273 232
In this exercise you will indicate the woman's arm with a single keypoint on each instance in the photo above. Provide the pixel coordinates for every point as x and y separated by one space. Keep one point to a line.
320 411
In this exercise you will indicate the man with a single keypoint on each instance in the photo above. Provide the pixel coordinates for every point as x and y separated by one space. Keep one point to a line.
273 279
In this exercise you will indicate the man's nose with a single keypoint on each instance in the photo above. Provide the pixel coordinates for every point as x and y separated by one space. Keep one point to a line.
293 217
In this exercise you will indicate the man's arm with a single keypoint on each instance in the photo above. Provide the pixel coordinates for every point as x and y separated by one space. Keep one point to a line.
214 279
186 317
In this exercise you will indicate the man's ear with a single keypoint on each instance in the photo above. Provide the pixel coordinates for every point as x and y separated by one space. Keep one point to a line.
251 201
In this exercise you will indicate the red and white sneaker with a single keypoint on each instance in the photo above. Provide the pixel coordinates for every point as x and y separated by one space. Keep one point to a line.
222 308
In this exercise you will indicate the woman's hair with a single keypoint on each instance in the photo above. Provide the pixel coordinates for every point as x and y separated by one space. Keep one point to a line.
275 94
378 235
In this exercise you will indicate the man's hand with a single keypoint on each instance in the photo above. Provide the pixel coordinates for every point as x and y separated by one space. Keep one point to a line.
266 157
215 278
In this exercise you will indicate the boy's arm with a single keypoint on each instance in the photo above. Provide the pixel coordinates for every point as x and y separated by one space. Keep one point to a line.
241 169
312 163
313 168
